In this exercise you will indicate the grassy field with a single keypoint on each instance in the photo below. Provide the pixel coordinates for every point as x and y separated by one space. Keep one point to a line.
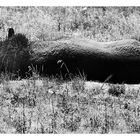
50 23
49 105
52 106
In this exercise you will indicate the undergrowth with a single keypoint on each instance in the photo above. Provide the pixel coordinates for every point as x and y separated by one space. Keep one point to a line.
54 23
46 105
49 105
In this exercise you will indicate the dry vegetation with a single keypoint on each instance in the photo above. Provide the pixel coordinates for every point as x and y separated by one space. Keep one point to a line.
50 23
52 106
49 105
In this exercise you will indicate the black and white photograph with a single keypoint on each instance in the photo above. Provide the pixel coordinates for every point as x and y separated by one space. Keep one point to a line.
69 69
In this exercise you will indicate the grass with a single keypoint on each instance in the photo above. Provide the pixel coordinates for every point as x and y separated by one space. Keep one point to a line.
53 23
46 105
49 105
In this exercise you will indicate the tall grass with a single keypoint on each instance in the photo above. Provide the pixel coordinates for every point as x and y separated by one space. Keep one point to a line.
50 23
49 105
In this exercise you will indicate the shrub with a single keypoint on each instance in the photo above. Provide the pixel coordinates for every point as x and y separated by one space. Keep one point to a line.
116 90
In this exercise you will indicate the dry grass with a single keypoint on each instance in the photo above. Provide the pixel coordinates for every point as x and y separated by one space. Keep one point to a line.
52 23
50 106
43 105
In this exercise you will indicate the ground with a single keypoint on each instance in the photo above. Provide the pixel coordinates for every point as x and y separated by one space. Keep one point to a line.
43 105
78 106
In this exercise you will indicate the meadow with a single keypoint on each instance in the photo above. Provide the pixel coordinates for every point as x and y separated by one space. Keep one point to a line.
51 105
